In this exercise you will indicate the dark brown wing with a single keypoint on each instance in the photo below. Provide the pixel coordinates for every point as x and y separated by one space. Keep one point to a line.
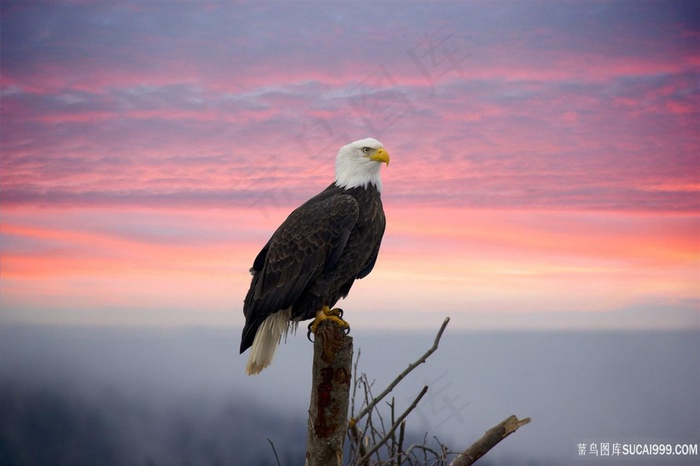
369 265
310 240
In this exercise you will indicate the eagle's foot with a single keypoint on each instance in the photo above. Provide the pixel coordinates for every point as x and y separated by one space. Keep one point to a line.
335 312
326 313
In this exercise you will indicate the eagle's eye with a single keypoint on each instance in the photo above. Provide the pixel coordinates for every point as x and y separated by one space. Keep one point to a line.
366 150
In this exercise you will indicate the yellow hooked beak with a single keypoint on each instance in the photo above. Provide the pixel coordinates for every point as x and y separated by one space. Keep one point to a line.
380 156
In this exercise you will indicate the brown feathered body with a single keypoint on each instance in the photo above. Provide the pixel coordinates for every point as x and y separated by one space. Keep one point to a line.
315 256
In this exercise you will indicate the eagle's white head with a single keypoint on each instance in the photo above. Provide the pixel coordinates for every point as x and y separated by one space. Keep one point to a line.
358 164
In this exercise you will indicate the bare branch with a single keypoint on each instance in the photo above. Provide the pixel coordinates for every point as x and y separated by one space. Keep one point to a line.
396 425
424 448
274 450
489 440
355 382
392 448
402 433
401 376
357 437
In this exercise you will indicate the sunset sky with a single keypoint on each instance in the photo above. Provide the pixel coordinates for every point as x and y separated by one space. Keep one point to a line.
545 167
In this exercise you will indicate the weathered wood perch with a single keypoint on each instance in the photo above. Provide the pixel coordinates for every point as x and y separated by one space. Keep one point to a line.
328 408
489 440
330 389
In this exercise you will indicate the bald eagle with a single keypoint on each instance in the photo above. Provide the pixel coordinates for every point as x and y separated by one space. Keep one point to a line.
314 257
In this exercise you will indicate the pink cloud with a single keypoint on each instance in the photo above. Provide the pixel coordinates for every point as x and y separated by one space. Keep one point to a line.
558 154
460 260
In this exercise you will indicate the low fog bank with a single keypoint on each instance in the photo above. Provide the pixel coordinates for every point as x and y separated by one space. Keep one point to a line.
135 396
50 425
86 396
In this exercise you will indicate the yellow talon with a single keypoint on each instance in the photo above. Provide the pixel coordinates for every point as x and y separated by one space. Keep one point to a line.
327 313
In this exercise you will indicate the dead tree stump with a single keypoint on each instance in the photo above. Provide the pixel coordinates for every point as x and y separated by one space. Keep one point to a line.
330 391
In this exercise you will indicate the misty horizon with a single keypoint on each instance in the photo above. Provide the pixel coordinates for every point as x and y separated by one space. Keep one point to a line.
163 396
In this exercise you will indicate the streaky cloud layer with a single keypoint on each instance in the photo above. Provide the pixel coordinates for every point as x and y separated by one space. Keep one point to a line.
544 155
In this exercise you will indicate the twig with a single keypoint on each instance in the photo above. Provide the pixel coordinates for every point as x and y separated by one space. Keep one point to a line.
392 449
489 440
274 451
400 377
355 382
370 429
402 432
424 448
396 425
357 437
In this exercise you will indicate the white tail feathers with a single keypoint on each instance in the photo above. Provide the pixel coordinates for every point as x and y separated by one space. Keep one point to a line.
267 339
